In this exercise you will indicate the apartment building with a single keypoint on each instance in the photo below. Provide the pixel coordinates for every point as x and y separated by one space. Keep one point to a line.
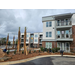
59 31
33 39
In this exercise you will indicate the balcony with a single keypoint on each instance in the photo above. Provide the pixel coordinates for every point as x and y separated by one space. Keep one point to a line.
40 42
40 37
64 37
63 25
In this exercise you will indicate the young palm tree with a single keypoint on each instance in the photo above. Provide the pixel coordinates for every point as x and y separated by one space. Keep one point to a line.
18 45
13 41
25 49
7 40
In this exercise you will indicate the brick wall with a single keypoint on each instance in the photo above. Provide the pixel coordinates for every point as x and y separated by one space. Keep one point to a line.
72 44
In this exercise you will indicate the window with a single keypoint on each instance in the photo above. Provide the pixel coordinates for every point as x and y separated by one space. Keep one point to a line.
35 40
50 24
26 40
46 24
67 31
58 23
50 34
48 44
46 34
66 21
22 40
58 44
22 36
36 36
58 34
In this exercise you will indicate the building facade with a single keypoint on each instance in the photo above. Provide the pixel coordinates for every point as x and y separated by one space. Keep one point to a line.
32 40
59 31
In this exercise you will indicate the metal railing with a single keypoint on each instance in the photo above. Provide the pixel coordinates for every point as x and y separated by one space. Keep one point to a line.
64 23
63 36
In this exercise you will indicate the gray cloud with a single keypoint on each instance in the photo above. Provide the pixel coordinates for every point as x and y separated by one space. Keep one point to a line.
12 19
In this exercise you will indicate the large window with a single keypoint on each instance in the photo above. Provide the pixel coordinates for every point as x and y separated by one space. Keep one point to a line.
46 34
48 44
35 40
50 34
36 35
50 24
46 24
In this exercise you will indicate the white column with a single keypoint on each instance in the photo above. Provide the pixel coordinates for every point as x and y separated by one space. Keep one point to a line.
60 45
65 33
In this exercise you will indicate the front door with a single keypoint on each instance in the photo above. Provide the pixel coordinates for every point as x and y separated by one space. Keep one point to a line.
63 48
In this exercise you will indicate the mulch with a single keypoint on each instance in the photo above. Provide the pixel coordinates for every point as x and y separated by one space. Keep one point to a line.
20 56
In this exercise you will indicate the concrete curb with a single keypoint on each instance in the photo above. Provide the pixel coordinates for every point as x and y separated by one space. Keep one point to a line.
29 59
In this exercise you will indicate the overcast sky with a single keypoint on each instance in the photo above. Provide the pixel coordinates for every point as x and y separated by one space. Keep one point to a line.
12 19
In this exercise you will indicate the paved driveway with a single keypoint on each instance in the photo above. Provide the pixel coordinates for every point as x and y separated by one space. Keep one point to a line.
53 60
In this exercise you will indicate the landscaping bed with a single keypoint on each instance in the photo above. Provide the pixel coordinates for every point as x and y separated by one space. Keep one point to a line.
20 56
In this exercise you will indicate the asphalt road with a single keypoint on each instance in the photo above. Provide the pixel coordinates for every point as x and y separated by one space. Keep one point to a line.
53 60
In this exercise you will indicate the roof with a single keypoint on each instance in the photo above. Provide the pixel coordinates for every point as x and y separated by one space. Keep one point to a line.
59 15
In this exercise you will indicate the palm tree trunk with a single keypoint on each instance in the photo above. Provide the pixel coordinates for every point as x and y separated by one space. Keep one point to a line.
18 45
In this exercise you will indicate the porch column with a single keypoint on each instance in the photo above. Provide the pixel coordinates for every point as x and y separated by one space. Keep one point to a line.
65 33
65 46
60 45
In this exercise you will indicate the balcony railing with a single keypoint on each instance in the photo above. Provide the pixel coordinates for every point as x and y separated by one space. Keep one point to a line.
40 42
64 24
64 36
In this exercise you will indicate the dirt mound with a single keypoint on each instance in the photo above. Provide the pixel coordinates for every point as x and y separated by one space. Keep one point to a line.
2 54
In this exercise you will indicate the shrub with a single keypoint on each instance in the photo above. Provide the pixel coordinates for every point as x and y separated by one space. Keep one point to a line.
47 50
34 51
53 50
23 52
41 48
29 51
57 49
8 52
15 52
